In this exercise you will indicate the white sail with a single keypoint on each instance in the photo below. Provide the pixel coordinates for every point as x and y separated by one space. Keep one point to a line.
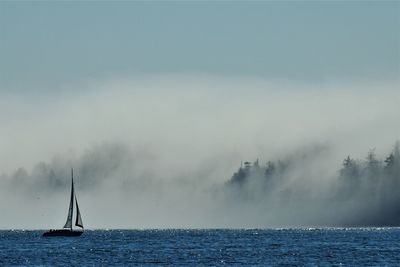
78 221
68 223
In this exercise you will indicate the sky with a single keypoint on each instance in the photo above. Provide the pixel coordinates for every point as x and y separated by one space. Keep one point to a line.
46 45
155 104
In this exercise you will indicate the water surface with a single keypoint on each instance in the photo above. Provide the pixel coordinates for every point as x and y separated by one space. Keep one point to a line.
318 247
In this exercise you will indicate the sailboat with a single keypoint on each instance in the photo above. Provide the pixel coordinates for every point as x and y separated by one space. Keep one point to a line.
67 229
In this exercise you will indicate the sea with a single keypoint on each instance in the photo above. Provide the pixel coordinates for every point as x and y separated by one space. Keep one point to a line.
252 247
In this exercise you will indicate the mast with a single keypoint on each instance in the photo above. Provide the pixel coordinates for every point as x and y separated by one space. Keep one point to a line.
68 223
72 195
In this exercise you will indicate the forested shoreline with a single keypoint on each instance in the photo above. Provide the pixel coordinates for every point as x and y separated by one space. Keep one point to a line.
362 192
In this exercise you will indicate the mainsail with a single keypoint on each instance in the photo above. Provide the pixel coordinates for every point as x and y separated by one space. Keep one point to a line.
68 224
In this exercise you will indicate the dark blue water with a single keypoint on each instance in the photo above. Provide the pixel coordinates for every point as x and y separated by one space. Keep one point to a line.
318 247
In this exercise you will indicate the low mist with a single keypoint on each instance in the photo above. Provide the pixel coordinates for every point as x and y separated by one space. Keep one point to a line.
202 152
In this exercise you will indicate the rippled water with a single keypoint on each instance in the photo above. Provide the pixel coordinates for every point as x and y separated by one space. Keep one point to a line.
348 247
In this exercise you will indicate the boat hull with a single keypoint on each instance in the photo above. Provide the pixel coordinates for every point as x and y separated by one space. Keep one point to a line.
62 232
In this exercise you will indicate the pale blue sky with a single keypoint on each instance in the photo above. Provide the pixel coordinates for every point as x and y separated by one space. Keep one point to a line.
47 45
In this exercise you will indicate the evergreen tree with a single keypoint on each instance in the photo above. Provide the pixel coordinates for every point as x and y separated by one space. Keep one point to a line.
350 168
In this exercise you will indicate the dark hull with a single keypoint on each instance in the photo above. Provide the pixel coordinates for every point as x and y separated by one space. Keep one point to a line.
62 232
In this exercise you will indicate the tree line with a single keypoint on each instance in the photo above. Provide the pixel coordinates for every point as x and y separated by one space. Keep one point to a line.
370 175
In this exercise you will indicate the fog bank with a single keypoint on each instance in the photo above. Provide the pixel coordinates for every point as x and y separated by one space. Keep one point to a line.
158 152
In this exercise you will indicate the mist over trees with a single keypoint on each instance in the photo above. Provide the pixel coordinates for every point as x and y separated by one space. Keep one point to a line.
303 188
364 192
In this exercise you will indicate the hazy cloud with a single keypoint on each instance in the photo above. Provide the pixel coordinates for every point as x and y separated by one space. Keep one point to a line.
157 151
